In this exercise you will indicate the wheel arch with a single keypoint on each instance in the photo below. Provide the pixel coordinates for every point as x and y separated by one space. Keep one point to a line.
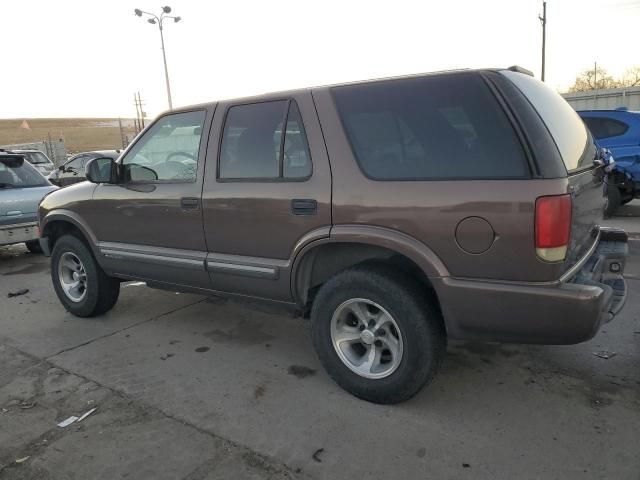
60 222
352 245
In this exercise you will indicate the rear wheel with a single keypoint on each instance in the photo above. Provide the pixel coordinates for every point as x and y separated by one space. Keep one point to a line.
614 200
376 335
33 246
80 283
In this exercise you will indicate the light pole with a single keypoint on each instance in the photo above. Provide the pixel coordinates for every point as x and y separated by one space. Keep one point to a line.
155 20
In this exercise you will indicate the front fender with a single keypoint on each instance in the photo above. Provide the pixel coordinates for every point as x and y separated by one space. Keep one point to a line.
72 218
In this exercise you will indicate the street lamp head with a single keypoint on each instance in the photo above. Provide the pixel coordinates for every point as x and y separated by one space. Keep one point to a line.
177 19
138 12
152 21
166 9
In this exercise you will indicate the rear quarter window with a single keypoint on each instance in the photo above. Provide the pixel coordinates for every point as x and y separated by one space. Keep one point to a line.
564 124
440 127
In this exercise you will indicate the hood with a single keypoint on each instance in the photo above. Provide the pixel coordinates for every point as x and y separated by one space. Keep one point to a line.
23 200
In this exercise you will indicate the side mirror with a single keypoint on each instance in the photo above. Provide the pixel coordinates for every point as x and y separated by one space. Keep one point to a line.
101 170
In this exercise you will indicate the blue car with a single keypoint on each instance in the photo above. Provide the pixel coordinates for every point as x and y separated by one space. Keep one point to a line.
21 189
618 131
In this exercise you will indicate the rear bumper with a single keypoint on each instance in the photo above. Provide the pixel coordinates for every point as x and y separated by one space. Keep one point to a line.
565 312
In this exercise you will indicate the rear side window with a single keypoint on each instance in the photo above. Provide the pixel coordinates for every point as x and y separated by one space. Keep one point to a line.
564 124
605 127
254 146
443 127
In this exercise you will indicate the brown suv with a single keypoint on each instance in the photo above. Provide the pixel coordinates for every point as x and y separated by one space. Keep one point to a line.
397 212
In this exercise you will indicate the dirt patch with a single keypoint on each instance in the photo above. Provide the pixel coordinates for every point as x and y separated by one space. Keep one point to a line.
301 371
259 391
244 333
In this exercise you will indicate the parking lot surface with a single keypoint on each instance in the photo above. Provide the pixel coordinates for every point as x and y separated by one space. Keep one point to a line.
206 388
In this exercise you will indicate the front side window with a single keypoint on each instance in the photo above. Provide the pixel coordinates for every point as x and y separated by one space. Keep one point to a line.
76 164
441 127
253 146
605 127
168 151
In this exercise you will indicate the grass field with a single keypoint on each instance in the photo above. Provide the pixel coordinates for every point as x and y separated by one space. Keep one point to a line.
79 134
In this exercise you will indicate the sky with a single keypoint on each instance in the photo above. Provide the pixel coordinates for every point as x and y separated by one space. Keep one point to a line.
86 58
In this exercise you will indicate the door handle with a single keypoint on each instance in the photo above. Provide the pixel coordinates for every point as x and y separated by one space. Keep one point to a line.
189 202
306 206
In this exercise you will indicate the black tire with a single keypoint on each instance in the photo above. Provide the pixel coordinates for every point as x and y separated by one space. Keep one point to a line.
33 246
412 308
626 199
614 200
101 290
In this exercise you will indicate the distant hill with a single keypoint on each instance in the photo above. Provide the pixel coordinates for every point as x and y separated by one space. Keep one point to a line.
79 134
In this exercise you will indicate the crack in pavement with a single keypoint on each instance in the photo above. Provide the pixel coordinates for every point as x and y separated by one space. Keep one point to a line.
270 465
124 329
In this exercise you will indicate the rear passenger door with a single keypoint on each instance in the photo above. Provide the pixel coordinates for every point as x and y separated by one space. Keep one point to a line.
267 192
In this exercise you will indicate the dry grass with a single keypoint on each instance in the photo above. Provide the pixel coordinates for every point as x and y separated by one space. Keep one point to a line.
79 134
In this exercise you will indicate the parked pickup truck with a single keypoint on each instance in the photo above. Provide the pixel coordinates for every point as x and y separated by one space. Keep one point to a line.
397 213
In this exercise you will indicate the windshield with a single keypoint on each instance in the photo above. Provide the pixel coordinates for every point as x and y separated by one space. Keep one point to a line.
16 173
36 157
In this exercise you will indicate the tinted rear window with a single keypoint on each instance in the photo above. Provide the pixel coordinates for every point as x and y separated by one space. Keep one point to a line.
17 173
441 127
564 124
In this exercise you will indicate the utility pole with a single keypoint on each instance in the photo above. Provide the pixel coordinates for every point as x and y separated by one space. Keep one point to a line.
142 112
122 138
138 126
543 20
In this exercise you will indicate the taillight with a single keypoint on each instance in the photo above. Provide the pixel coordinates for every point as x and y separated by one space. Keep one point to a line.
553 226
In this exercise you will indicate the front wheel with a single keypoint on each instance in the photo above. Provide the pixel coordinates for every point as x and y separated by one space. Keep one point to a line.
376 335
80 283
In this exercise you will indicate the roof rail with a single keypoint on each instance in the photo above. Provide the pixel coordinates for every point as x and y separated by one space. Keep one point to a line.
517 68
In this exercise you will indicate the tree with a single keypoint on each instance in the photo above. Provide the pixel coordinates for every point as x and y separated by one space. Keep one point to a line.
631 77
591 79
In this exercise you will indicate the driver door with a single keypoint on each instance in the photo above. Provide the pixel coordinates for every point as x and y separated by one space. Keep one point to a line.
149 226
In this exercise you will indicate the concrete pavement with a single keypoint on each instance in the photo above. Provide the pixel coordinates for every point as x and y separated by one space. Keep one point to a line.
197 388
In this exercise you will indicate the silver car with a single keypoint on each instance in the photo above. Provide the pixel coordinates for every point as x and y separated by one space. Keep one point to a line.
39 160
21 189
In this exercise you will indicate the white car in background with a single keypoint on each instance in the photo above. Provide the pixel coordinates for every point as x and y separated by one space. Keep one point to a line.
39 160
